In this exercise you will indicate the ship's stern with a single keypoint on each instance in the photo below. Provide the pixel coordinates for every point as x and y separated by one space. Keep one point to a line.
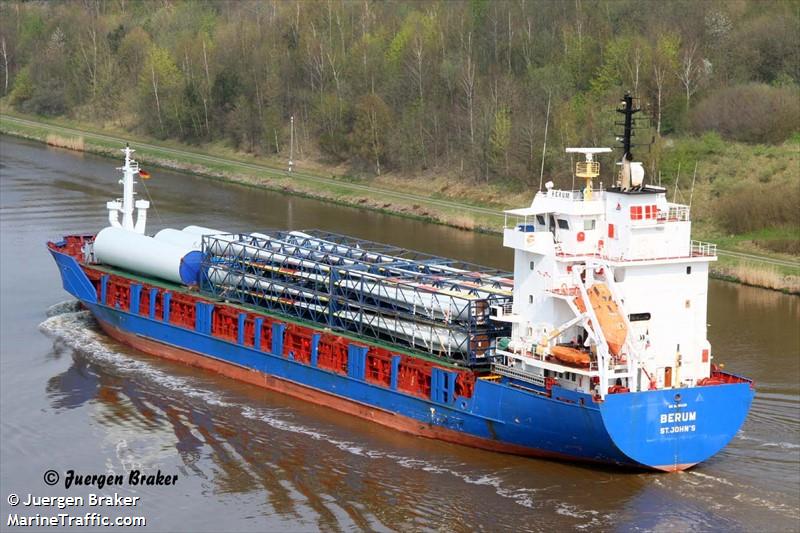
675 429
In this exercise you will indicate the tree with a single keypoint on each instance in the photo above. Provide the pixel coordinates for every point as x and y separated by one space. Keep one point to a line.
500 138
665 61
692 71
160 84
372 121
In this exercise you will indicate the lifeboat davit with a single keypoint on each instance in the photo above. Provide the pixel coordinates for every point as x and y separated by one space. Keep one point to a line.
608 314
571 356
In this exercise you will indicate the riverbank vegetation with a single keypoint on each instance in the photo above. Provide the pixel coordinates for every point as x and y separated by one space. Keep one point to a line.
469 101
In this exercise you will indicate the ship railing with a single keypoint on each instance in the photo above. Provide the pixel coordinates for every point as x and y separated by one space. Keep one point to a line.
512 372
674 213
698 249
503 310
704 249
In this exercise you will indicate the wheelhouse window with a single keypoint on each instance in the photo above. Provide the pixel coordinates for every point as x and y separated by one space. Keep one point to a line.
563 224
540 220
642 212
589 224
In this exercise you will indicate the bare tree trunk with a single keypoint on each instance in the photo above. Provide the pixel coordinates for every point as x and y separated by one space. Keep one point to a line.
417 66
510 37
527 47
688 73
544 145
373 123
658 76
178 119
494 33
207 96
530 135
5 65
336 81
91 63
637 64
94 62
205 111
155 92
468 82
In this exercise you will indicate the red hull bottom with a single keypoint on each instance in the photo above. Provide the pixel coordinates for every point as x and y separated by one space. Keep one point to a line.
296 390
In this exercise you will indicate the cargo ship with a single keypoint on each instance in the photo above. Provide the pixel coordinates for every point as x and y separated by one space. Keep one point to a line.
593 350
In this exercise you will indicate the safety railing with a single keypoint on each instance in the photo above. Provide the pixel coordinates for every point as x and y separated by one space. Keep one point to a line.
704 249
674 213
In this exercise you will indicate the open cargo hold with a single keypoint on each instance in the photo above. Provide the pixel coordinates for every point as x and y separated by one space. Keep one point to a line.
432 304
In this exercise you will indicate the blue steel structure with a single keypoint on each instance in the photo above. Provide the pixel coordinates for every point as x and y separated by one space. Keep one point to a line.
429 303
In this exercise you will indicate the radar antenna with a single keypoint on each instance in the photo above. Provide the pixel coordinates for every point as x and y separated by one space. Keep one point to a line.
588 169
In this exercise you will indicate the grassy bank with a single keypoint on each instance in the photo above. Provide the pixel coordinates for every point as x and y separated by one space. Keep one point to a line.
418 198
432 198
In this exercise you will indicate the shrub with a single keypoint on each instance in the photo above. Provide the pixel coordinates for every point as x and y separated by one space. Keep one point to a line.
756 207
781 246
750 113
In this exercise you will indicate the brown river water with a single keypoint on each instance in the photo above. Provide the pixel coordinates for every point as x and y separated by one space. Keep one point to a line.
252 460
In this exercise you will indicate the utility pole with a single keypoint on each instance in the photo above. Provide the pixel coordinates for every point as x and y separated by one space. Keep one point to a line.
291 144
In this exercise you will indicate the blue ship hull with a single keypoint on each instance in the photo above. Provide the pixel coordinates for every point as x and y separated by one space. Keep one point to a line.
662 429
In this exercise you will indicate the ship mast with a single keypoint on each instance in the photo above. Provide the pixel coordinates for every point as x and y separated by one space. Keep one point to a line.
627 110
126 205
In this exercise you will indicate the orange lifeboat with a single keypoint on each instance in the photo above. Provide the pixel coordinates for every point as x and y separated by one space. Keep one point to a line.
608 314
571 356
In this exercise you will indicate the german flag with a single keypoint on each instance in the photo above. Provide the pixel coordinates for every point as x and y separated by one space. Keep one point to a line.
145 175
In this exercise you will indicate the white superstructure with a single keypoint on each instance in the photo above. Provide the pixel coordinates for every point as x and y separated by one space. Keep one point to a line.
611 277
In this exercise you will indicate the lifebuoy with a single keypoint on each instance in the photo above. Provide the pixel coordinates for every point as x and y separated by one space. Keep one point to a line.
581 236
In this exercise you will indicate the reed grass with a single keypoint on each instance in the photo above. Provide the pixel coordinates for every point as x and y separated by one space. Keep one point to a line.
759 275
464 222
70 143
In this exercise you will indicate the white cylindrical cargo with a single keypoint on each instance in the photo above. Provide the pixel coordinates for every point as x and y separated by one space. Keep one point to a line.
180 238
201 230
145 255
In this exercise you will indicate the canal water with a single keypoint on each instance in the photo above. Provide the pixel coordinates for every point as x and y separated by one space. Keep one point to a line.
253 460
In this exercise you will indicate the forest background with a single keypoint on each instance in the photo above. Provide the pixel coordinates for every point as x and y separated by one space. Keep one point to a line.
474 100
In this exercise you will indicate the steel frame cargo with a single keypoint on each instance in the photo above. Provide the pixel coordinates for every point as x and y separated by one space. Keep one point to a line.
436 305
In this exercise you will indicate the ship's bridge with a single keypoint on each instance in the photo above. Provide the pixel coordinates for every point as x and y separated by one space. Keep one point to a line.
615 225
574 221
